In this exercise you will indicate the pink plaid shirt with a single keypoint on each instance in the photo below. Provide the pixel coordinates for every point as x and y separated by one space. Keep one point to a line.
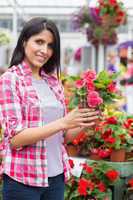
19 109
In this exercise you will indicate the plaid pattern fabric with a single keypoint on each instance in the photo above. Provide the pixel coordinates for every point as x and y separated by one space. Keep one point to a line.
19 109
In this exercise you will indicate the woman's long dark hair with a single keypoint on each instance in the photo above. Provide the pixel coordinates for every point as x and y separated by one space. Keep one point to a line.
33 27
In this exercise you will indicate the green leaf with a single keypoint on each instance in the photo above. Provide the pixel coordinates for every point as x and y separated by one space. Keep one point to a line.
73 103
99 85
74 194
118 144
130 141
103 11
81 92
114 76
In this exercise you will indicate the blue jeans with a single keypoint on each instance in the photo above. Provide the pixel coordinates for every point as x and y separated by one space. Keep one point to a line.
13 190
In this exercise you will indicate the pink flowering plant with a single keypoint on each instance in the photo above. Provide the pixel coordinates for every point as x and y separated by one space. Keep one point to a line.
94 90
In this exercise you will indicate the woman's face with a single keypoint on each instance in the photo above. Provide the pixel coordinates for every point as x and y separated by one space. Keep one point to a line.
39 49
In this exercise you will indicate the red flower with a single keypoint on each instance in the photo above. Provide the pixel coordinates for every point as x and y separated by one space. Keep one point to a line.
112 2
87 168
104 153
97 10
112 175
75 142
66 101
101 186
110 140
71 163
107 134
130 182
91 185
121 14
128 123
79 138
111 120
112 87
82 186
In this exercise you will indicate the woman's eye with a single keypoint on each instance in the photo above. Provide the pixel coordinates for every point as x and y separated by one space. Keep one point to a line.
39 42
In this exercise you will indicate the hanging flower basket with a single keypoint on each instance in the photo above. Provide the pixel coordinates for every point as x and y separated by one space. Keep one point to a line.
103 19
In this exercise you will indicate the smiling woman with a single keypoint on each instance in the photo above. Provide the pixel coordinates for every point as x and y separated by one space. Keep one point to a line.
33 117
38 50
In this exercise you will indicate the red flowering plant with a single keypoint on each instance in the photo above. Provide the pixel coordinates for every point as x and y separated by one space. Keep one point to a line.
113 133
94 182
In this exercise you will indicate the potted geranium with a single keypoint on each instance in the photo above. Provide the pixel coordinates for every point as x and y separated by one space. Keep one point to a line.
114 135
93 184
94 91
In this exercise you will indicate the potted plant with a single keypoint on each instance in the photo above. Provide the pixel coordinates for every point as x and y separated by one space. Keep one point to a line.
115 136
94 91
94 182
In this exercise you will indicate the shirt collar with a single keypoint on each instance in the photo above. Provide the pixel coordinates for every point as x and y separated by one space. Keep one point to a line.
27 71
51 78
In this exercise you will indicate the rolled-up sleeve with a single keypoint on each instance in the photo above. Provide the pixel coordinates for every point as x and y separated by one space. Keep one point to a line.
11 119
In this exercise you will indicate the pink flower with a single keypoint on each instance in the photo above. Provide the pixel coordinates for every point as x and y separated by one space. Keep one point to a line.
80 83
90 85
94 99
93 94
89 75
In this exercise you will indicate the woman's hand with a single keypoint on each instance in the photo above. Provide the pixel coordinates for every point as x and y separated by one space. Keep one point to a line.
84 117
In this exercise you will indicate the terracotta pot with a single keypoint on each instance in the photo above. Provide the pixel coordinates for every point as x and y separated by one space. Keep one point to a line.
118 155
72 150
95 157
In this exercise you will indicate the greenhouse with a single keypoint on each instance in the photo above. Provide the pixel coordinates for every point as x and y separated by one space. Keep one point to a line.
66 100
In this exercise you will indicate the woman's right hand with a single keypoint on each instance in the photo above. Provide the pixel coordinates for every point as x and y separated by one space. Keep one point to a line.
84 117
